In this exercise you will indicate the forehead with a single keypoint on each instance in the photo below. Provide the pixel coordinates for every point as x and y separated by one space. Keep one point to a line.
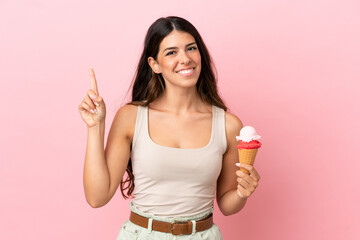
176 39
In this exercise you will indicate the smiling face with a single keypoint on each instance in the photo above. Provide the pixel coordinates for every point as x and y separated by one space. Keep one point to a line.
178 60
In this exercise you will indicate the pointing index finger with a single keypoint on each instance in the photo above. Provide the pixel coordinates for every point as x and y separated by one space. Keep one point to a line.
93 81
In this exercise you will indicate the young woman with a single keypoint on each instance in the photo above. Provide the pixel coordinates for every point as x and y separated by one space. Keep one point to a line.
175 140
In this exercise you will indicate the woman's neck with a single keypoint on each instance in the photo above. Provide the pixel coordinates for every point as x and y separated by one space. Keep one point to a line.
180 101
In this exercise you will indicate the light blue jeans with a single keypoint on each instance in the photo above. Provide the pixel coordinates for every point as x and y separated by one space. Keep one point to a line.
131 231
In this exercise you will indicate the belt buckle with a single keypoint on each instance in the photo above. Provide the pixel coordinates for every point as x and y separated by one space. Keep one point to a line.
189 228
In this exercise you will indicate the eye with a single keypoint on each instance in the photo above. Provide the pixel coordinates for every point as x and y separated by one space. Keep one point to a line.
169 53
193 48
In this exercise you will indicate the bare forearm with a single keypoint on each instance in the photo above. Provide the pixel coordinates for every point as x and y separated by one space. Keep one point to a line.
231 203
96 173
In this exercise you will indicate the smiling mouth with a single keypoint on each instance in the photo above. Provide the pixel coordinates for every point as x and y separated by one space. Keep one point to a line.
187 72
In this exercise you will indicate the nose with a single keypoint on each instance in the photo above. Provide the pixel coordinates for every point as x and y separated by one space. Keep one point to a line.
184 58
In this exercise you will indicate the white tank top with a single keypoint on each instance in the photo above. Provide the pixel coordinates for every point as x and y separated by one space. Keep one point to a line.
175 182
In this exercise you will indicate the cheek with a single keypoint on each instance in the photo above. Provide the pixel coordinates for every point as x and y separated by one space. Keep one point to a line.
197 58
170 65
198 61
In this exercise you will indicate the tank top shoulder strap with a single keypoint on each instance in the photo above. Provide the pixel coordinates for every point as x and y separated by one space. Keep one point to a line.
139 124
220 130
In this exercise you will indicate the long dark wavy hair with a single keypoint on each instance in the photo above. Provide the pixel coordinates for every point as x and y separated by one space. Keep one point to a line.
148 86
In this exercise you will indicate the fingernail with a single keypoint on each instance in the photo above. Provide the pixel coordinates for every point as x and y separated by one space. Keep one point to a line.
92 96
96 104
91 110
237 164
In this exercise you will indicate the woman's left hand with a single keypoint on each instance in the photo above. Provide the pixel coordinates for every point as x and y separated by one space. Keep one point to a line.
246 183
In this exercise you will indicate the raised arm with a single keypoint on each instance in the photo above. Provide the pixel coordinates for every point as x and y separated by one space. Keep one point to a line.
103 169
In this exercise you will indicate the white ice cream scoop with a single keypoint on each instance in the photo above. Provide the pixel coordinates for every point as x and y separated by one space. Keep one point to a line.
247 134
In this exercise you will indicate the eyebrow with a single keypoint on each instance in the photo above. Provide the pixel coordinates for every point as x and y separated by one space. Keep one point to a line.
177 47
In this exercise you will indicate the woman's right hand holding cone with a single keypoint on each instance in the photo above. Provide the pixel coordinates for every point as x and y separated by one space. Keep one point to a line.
92 109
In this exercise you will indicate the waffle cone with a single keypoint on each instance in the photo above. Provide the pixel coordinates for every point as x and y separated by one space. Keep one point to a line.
247 156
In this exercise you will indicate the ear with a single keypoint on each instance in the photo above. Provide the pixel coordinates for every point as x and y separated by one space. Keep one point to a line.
154 65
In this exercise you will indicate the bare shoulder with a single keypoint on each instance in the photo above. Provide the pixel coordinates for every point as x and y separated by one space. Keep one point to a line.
124 120
232 122
233 126
127 109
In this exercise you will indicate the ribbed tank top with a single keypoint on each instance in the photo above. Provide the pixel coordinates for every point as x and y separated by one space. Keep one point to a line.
175 182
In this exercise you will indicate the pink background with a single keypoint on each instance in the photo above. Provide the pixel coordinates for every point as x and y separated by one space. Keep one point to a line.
289 68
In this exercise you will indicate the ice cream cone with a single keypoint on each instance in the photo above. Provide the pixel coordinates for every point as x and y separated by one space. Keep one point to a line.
248 146
247 156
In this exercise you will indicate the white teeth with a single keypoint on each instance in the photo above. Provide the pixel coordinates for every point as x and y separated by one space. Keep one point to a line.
186 71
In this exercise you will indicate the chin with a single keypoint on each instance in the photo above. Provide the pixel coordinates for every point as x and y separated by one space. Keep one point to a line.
190 82
183 82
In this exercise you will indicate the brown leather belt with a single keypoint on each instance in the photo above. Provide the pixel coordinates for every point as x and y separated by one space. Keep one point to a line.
176 228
